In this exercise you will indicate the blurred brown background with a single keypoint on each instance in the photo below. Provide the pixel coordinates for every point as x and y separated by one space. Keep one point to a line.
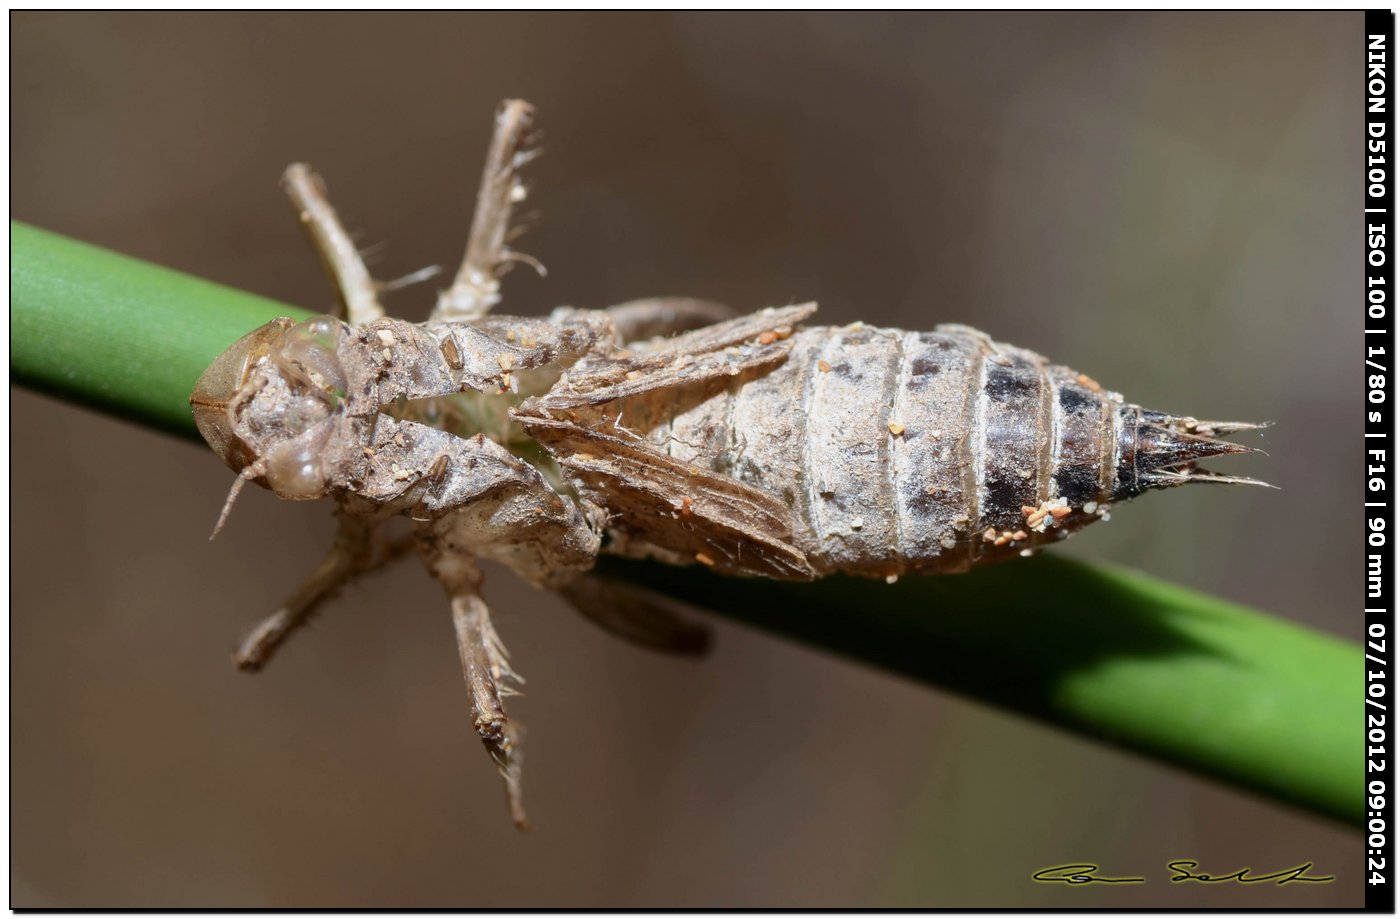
1167 202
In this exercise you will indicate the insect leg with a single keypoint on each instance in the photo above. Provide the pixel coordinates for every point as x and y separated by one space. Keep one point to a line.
724 349
354 552
477 286
337 251
485 667
661 317
631 614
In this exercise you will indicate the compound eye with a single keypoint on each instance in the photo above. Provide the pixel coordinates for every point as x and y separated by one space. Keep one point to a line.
221 382
307 353
294 469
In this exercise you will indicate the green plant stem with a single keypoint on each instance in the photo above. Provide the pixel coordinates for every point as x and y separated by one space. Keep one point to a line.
118 334
1115 655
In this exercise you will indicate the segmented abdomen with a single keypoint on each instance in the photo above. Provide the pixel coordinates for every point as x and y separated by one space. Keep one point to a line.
911 451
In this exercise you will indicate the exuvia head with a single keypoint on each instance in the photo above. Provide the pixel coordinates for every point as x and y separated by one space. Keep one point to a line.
268 403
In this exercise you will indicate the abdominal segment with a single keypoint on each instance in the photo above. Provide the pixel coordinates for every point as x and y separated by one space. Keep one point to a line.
905 451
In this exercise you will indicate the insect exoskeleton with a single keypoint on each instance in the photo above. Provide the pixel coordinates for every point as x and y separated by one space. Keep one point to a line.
921 452
754 445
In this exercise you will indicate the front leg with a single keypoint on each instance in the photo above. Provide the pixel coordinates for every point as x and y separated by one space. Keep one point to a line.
353 285
354 552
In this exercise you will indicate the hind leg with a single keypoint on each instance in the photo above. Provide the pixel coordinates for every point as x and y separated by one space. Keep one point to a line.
630 613
662 317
